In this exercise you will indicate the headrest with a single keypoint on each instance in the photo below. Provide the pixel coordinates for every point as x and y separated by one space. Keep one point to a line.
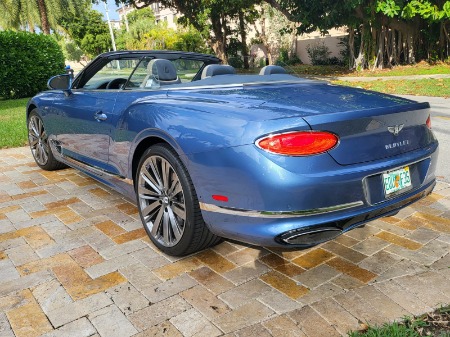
163 69
269 70
217 69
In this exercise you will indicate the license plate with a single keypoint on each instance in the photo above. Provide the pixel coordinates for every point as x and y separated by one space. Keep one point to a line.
396 180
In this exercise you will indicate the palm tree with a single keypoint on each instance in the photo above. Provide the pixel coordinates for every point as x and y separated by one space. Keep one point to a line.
22 14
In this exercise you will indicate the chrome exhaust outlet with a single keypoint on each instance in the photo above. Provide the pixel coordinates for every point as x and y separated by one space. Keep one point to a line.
309 237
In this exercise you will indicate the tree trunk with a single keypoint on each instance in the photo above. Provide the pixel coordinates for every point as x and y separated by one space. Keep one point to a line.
360 61
351 48
44 18
244 48
218 41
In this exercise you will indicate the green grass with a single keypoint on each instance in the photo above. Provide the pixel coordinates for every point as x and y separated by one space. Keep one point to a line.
431 324
422 68
13 128
425 87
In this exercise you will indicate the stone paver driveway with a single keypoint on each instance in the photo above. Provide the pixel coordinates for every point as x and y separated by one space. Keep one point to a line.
75 261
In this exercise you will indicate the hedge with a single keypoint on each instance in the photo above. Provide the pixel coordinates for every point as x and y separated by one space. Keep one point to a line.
27 61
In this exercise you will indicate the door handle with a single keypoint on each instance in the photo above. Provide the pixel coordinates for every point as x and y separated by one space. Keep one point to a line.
100 116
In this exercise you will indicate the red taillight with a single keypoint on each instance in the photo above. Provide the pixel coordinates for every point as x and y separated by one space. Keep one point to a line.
300 143
222 198
429 122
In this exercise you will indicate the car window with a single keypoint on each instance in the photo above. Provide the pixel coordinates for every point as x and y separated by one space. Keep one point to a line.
184 70
113 75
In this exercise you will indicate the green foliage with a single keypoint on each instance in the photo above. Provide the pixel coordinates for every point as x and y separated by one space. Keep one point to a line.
89 32
13 126
27 61
387 330
318 53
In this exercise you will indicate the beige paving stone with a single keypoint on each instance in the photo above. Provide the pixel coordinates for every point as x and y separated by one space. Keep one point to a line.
346 240
7 272
412 255
347 282
130 236
5 327
12 243
436 223
283 326
158 312
404 267
149 258
140 276
403 297
127 298
169 288
313 258
225 248
324 291
111 265
311 323
351 269
211 280
423 235
75 310
435 280
273 260
334 313
15 300
343 251
192 323
164 329
51 295
111 322
442 263
361 308
25 282
435 248
431 296
215 261
247 255
362 233
313 278
380 262
244 293
205 302
61 247
279 302
110 228
383 303
254 330
284 284
28 320
85 256
177 268
112 251
370 246
246 272
79 328
246 315
399 241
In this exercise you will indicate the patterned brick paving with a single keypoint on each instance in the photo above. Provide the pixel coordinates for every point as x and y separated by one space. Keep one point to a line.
75 261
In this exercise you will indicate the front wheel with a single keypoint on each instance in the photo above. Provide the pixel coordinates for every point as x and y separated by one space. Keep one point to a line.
168 204
39 146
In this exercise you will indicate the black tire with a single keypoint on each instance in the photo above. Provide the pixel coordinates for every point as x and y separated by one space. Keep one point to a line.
39 146
168 204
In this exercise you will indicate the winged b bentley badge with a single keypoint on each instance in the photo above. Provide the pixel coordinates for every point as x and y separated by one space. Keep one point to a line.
395 129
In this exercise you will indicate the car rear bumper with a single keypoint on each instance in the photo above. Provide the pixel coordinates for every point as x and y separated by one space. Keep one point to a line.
344 198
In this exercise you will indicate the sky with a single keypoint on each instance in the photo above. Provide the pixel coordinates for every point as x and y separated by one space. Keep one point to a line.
113 15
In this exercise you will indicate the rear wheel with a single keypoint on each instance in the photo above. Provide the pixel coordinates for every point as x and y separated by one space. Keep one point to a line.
168 204
39 146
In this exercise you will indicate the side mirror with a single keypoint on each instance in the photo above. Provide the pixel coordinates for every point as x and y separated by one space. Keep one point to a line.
60 82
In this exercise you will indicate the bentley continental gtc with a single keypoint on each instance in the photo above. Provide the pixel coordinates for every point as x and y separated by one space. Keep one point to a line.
269 159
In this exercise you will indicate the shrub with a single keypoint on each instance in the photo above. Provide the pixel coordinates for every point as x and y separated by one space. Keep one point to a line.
318 53
27 61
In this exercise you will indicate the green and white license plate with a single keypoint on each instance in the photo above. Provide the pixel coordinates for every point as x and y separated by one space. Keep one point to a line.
396 180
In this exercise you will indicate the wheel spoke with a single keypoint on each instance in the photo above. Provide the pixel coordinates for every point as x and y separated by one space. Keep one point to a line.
177 231
154 167
150 208
178 210
166 229
157 223
165 169
150 181
145 192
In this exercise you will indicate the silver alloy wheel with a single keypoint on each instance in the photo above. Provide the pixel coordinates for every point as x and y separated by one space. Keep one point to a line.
37 138
161 201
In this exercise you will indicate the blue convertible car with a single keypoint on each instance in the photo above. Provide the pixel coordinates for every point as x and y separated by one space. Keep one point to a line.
268 159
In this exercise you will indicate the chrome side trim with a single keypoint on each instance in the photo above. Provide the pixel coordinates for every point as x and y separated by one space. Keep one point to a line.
274 214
